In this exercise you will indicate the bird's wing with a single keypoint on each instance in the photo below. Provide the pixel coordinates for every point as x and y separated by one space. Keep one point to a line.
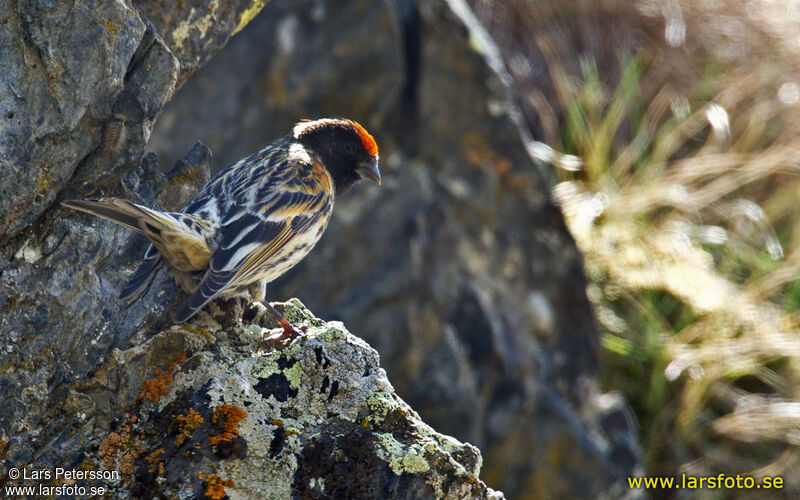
262 221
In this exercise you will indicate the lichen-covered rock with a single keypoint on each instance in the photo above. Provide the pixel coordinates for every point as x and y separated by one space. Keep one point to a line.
61 315
82 84
195 411
195 30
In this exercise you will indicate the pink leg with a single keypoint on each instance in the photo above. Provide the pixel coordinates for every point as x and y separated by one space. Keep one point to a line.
289 331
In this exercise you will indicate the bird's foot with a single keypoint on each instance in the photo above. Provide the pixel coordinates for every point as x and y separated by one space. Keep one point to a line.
289 331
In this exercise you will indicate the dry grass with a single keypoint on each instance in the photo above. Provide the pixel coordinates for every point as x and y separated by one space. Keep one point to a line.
686 209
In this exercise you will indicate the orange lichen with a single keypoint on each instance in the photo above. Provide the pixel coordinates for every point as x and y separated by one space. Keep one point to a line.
3 443
226 418
479 154
156 464
109 449
158 386
366 140
186 424
119 449
180 359
203 332
215 485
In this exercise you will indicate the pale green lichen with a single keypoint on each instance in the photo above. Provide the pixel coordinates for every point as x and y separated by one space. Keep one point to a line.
202 24
248 14
294 374
296 312
265 366
402 458
413 463
254 330
380 403
447 443
268 365
332 333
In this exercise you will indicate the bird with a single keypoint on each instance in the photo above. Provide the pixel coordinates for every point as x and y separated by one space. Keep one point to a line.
251 222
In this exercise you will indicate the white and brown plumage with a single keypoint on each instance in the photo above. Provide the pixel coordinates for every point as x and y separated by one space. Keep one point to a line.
254 220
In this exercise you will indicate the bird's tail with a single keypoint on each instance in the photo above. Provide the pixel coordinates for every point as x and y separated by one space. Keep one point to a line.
181 239
114 209
139 282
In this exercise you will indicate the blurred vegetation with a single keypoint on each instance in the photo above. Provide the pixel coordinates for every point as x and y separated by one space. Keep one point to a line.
686 208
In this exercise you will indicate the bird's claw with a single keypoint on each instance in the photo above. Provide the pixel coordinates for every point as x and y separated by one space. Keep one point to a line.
289 333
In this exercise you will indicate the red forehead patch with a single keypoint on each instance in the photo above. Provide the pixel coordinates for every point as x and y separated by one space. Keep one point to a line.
366 140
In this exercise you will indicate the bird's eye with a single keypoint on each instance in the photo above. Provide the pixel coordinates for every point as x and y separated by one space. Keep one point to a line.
350 147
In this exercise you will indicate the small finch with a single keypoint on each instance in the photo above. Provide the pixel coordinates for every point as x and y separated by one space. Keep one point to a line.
253 221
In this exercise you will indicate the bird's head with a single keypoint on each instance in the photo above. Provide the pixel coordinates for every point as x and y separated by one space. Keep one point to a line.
345 148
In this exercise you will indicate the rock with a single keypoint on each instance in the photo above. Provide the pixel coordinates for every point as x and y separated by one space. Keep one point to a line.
193 411
195 30
65 66
186 178
61 314
458 270
85 85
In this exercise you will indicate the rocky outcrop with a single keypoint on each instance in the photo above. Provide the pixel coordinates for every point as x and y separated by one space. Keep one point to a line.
197 411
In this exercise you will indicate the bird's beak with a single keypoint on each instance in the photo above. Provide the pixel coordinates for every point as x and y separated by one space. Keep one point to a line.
369 170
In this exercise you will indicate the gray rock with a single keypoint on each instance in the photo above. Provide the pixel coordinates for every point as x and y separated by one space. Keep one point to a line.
63 69
195 30
81 87
61 315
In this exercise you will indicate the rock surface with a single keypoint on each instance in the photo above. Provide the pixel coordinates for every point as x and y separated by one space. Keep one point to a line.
84 85
195 411
61 315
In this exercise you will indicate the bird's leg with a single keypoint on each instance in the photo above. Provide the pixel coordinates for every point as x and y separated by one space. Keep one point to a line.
258 292
289 331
